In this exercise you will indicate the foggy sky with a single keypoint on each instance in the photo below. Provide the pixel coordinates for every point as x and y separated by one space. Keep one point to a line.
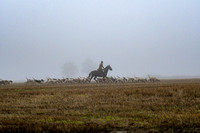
136 37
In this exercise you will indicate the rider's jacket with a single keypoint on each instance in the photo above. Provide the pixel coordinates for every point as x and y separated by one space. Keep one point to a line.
100 67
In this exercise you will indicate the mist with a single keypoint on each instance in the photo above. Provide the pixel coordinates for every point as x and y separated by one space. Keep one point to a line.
87 66
69 69
70 38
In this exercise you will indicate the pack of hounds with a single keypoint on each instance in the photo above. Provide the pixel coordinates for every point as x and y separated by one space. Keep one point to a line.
84 80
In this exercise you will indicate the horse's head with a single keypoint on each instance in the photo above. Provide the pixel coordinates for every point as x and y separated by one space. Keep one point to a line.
109 67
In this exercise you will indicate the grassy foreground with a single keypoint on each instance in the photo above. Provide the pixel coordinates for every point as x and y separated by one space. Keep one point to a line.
164 106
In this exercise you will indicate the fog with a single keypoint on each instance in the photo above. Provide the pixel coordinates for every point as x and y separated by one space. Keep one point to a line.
70 38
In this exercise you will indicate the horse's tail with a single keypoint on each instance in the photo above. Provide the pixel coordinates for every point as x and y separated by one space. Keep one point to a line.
90 74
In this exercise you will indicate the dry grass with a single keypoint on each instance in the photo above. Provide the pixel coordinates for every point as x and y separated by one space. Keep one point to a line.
166 105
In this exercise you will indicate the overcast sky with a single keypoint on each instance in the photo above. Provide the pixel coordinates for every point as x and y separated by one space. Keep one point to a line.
48 38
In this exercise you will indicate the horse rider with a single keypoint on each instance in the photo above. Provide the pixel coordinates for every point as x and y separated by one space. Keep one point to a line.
101 67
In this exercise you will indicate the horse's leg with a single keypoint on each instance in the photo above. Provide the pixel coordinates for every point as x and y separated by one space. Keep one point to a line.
95 78
104 80
91 77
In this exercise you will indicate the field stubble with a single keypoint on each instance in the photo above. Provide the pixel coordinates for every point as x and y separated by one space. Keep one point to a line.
164 106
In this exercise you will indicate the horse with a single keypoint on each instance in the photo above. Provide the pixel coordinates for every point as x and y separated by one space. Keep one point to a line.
97 73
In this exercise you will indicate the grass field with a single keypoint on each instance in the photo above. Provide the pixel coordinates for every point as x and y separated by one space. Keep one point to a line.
169 105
